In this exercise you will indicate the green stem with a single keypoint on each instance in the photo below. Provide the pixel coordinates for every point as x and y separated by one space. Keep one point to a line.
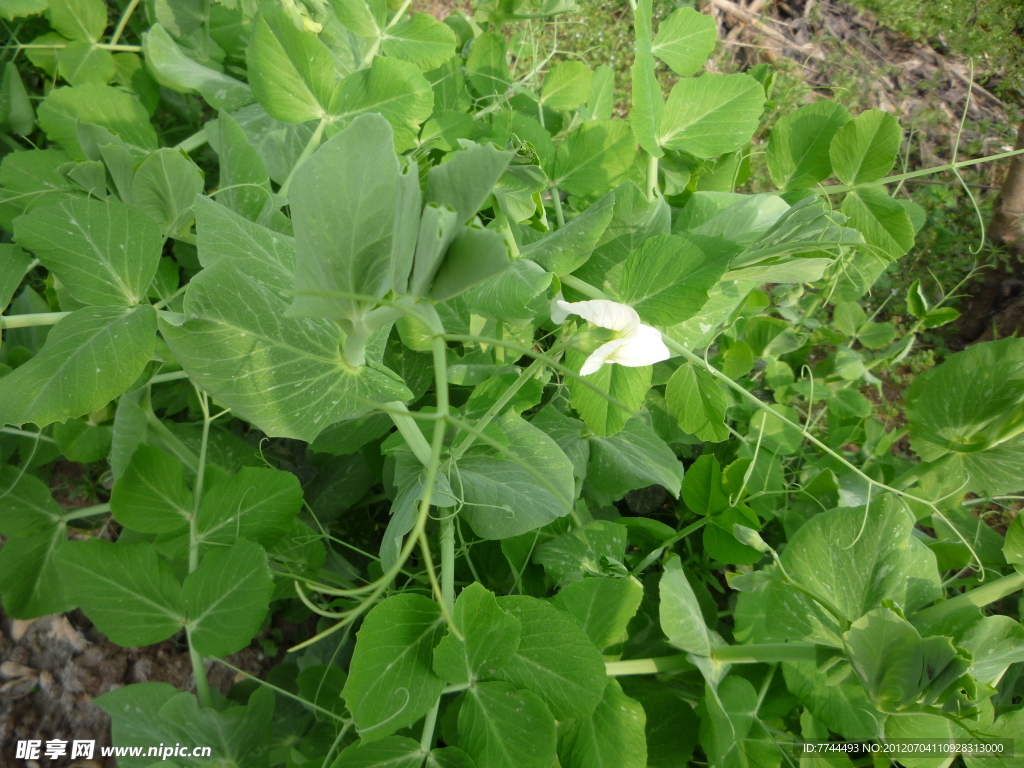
77 514
25 433
652 177
979 596
124 21
103 46
648 666
427 737
556 199
193 142
198 666
199 673
410 430
585 288
310 148
32 320
646 562
172 442
163 378
765 652
448 560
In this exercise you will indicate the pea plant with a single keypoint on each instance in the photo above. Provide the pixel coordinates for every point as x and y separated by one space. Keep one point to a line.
559 447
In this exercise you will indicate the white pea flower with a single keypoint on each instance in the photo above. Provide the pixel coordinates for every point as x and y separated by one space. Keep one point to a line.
633 343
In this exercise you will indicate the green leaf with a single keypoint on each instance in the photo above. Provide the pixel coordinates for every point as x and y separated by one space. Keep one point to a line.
671 729
449 757
855 558
421 40
1013 548
883 221
566 249
391 88
14 264
667 279
726 719
865 148
843 707
465 181
285 375
16 8
64 108
82 442
30 581
79 19
555 659
602 607
491 638
698 403
16 112
475 255
703 492
290 71
226 598
244 181
126 590
391 752
601 100
612 735
594 158
257 503
634 457
685 40
344 201
391 683
645 118
81 62
487 65
847 317
680 614
104 253
102 349
582 551
798 148
509 293
503 727
566 86
503 499
711 114
995 642
150 495
627 385
969 410
165 187
174 69
1009 725
28 506
366 19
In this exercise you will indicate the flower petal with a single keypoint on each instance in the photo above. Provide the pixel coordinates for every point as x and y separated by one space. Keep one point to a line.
558 312
643 347
601 355
606 314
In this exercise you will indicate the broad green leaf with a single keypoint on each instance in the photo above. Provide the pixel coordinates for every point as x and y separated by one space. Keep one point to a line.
603 607
582 551
711 114
966 413
612 735
391 88
627 385
344 201
667 279
798 148
698 403
391 683
566 249
465 181
30 582
104 253
449 757
726 719
995 642
504 727
16 111
569 434
150 495
1009 725
256 503
391 752
566 86
509 294
285 375
671 729
28 506
634 457
555 659
702 486
855 558
126 590
290 71
487 66
601 100
366 19
883 221
165 187
474 255
79 19
81 62
843 707
12 9
685 40
1013 548
865 148
64 108
594 158
279 144
645 118
226 598
421 40
244 181
174 69
501 497
681 618
14 264
102 349
491 638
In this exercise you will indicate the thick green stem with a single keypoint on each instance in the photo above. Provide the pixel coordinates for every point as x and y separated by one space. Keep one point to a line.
648 666
171 441
193 142
765 652
448 560
979 596
198 667
410 430
78 514
310 148
124 21
427 737
652 177
556 199
31 320
199 673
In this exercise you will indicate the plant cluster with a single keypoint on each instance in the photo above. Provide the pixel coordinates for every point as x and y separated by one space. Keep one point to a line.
564 443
